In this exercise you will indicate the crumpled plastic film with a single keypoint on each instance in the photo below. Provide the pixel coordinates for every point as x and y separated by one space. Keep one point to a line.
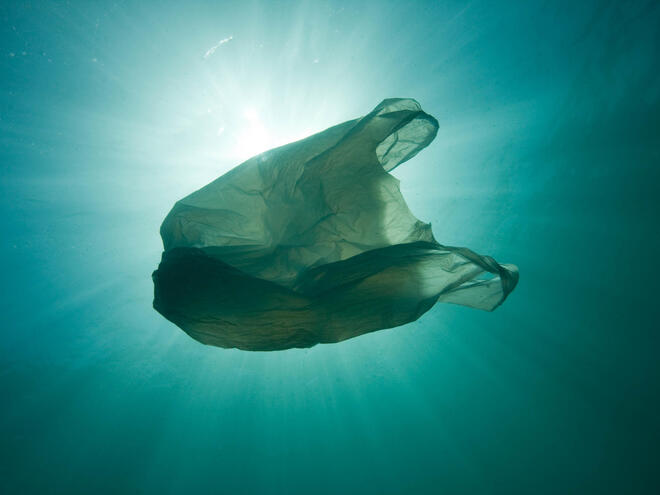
312 242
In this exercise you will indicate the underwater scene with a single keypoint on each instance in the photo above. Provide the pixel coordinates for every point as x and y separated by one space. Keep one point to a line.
329 247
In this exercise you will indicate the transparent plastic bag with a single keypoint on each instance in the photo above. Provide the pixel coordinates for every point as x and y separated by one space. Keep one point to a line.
313 243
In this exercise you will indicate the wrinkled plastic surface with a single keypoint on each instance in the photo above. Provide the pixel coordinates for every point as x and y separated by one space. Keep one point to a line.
313 243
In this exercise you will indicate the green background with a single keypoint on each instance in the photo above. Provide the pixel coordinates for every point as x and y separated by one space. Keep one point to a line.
547 157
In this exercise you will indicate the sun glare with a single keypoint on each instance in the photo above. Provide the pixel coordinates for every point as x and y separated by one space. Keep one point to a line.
253 138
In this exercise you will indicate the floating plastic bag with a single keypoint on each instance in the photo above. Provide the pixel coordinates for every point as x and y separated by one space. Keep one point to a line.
313 243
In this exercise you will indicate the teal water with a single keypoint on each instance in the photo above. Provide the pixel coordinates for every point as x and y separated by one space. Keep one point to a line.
547 157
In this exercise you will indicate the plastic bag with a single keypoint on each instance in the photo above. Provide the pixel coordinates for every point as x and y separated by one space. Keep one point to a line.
313 243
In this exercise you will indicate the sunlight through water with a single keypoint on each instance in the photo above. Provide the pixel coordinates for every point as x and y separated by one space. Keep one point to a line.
546 156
